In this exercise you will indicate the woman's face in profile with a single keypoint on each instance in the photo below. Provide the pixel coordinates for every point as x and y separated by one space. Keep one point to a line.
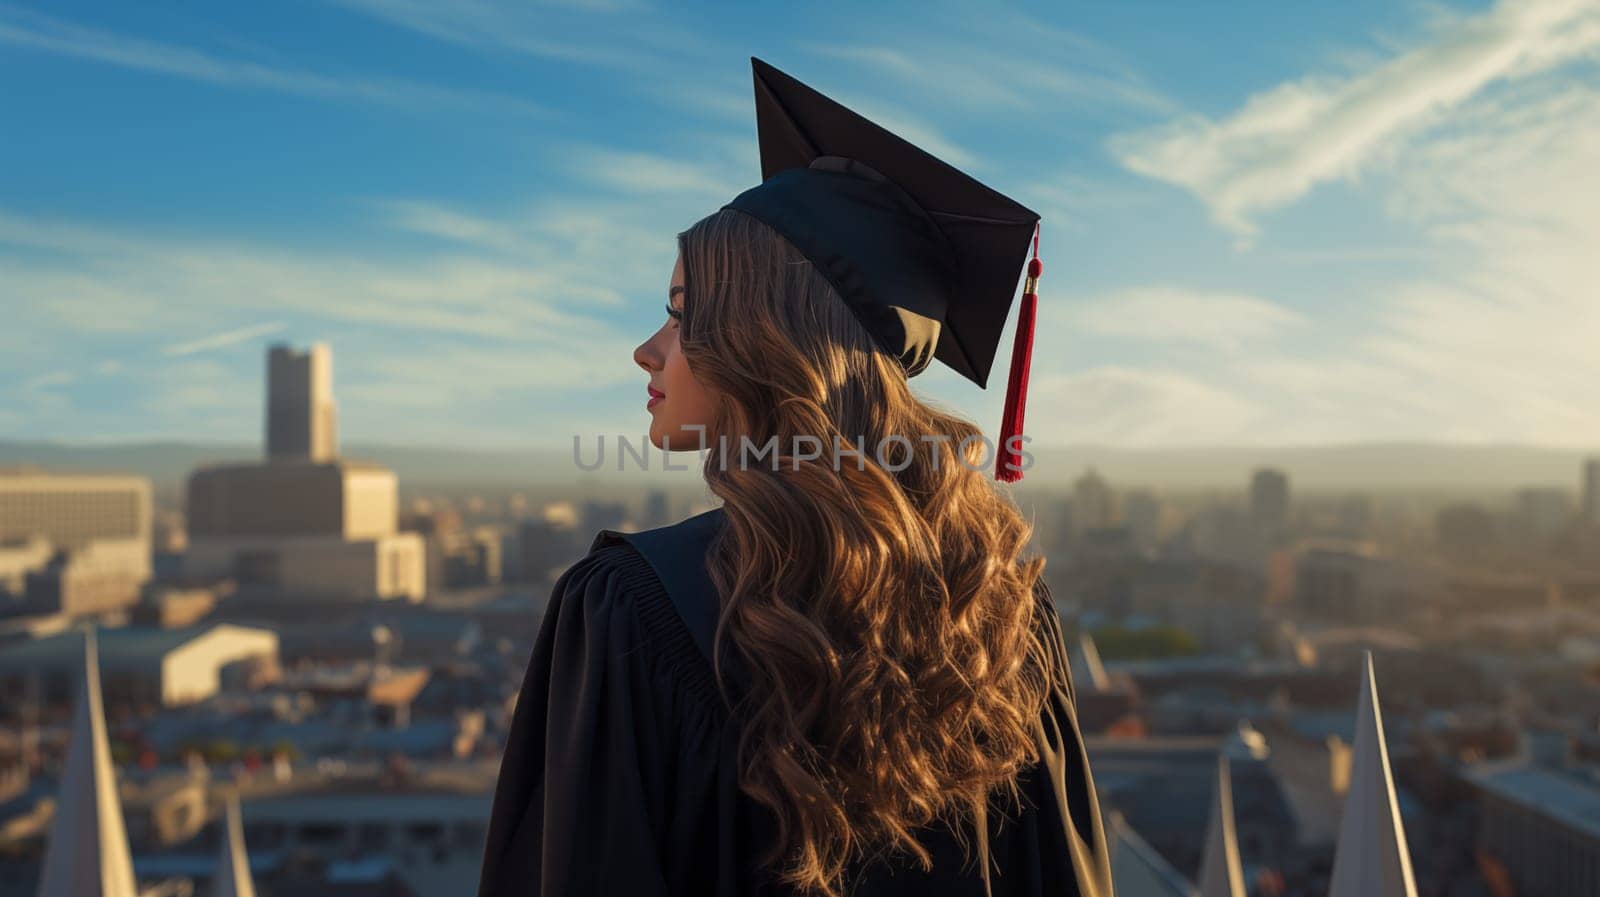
676 399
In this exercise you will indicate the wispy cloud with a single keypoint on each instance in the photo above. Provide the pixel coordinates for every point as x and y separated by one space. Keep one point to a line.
222 340
1168 314
53 378
1505 337
91 273
1138 407
558 31
1489 338
650 173
519 306
1288 139
34 31
999 79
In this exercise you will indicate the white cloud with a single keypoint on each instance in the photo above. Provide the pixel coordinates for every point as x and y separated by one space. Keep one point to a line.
1509 333
1125 406
650 173
1493 338
1167 314
43 33
1288 139
222 340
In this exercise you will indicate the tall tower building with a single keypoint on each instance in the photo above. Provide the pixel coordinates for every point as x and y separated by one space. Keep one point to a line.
301 425
306 522
1591 491
1269 498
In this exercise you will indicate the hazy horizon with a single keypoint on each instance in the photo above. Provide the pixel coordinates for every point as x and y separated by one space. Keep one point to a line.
1396 467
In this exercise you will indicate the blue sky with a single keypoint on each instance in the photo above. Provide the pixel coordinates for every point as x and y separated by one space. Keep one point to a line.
1264 223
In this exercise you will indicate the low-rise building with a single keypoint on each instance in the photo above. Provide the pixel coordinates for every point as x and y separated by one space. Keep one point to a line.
140 665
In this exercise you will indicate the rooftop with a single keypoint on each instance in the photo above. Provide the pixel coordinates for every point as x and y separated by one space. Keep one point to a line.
130 643
1569 797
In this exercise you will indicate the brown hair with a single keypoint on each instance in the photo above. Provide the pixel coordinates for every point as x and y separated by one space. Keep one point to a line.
885 618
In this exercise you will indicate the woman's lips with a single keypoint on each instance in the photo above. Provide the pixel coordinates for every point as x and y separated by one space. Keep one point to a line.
656 395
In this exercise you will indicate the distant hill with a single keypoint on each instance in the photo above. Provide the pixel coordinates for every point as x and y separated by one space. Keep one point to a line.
1374 466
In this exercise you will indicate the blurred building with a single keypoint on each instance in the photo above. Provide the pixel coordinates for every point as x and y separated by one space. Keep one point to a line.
170 532
611 515
475 559
438 528
96 577
1142 514
18 558
1347 581
1540 827
1541 513
457 557
301 424
174 606
429 833
1465 530
1486 593
1224 532
1093 502
171 539
141 665
1269 499
546 547
73 543
657 509
303 523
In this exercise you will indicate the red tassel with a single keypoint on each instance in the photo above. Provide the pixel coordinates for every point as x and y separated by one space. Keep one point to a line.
1008 460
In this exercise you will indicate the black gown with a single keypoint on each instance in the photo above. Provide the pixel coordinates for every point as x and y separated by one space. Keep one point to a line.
619 774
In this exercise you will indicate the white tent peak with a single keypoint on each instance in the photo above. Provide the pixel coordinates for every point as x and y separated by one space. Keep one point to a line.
1372 859
1221 874
88 855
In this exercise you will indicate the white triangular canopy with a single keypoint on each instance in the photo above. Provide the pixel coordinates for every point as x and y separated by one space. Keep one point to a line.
233 862
1221 874
1371 859
88 851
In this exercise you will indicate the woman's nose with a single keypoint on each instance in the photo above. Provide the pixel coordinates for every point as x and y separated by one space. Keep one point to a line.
644 356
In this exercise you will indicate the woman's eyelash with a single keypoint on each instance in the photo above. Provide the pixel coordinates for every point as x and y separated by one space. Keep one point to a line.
674 313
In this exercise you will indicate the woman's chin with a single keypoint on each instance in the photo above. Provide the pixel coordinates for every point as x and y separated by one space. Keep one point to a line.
678 439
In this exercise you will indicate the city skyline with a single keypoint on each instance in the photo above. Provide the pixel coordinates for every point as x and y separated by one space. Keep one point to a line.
1368 226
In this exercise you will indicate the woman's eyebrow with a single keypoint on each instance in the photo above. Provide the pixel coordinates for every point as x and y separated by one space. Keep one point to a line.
674 291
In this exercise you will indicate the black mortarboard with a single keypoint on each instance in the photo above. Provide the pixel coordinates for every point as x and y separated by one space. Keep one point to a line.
926 257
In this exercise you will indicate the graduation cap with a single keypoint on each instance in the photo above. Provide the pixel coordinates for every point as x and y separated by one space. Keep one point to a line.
926 257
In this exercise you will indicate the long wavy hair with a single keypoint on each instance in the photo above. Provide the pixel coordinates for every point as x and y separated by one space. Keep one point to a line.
883 613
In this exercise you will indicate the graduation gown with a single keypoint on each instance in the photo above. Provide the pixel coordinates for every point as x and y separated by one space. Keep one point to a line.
620 777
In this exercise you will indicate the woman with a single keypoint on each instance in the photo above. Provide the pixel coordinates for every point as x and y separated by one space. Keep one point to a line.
847 679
